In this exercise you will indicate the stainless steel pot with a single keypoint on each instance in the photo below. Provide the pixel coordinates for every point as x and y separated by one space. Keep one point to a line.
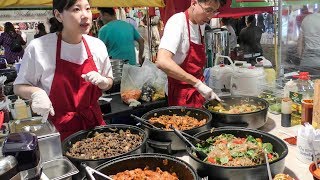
117 66
257 172
167 140
253 120
9 168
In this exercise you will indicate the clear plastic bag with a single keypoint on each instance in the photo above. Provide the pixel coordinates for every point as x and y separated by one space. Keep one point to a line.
131 83
154 84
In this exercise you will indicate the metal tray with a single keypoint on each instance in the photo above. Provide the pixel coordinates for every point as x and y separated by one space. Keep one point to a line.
33 125
59 169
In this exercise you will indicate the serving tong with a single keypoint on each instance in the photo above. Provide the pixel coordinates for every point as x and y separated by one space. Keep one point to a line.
90 171
268 165
200 154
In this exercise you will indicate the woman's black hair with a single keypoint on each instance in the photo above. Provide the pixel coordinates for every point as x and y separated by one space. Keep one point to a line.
8 27
59 5
41 27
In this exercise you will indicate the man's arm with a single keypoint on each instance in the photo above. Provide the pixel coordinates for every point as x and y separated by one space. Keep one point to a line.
141 49
165 63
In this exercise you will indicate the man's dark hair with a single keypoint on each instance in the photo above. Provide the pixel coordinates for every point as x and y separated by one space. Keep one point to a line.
251 19
225 21
110 11
222 2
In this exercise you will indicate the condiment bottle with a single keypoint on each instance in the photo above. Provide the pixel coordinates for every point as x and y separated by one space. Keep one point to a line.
290 86
286 110
305 91
316 105
20 108
307 109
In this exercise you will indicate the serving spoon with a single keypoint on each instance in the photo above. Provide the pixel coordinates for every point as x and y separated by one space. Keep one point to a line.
200 154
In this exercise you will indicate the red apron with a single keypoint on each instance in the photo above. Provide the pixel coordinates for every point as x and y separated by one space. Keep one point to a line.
183 94
74 100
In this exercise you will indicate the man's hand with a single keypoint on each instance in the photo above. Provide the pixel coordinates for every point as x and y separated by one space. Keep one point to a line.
205 91
96 79
41 103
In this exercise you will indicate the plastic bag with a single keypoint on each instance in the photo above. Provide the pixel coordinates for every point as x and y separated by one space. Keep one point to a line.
153 88
131 83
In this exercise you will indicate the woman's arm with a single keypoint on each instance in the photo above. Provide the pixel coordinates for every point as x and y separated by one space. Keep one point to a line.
24 90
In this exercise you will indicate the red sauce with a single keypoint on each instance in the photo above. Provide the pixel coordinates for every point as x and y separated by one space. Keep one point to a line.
291 140
307 109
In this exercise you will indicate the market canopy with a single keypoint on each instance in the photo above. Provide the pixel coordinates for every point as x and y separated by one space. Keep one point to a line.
94 3
228 11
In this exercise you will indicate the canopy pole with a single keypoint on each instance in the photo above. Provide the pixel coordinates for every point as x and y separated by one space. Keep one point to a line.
149 34
279 42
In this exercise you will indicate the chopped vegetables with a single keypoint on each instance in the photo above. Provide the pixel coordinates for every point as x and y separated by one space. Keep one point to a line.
228 150
235 109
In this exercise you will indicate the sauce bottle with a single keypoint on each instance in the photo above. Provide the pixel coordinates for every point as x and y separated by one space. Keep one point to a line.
20 108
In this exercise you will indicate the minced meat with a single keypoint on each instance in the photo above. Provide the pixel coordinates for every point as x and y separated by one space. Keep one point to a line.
105 145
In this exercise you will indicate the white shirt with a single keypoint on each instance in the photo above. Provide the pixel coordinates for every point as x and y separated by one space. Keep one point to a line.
175 37
39 60
310 28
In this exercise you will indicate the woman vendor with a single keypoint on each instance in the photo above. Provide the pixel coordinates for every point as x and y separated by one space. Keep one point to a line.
64 73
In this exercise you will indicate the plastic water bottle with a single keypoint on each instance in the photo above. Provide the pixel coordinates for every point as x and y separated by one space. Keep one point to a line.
305 91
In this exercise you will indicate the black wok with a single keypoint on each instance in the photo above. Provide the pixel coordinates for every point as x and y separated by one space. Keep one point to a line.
253 120
152 161
166 139
69 141
257 172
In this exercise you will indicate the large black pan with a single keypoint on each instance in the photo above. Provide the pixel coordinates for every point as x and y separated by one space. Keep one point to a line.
257 172
167 140
152 161
69 141
252 120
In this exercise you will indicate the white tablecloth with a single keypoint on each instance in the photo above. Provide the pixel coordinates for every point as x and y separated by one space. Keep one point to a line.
294 167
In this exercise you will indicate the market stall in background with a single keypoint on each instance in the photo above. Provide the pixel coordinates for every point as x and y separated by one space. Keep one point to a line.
265 127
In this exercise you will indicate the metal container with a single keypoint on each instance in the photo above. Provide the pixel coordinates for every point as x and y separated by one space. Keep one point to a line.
9 168
117 66
252 120
217 42
257 172
152 161
167 139
24 147
58 169
48 136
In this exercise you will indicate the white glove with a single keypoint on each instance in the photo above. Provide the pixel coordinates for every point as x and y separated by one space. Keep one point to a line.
205 91
96 79
133 103
41 103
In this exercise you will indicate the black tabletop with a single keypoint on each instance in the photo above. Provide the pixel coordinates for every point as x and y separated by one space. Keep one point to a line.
120 109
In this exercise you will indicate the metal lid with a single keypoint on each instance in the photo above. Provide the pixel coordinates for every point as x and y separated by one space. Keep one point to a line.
16 142
7 163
